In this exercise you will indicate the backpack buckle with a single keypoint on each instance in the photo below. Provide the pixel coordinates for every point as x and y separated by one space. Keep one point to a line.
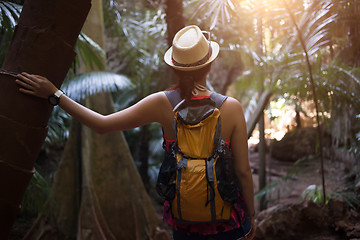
182 162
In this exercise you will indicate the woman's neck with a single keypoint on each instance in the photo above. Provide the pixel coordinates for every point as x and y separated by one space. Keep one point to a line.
200 88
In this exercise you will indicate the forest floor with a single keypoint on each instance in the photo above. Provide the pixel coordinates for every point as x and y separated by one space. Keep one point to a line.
292 179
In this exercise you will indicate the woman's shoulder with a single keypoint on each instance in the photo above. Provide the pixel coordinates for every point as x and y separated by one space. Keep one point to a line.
155 104
232 111
157 97
232 104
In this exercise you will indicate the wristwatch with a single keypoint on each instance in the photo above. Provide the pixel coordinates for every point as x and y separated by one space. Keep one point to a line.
54 99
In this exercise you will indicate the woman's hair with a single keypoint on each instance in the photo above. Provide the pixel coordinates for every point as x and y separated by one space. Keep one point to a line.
187 79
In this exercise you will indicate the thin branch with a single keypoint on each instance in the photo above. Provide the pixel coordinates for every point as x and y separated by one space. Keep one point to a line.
302 42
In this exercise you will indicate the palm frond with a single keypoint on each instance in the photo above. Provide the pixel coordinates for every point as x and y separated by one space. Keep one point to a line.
91 83
89 53
314 193
349 73
36 194
58 128
9 14
216 12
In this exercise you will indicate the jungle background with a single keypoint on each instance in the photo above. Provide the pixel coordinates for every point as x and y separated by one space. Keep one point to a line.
293 64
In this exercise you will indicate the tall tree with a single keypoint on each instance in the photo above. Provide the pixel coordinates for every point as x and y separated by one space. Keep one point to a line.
43 43
174 18
110 175
113 203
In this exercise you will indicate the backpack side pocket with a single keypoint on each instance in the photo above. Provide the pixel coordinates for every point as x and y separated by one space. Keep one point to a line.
227 181
165 185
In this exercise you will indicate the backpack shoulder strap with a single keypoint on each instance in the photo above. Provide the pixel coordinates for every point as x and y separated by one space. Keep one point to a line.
174 97
218 98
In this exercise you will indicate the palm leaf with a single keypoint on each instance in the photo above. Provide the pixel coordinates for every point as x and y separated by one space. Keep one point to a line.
314 26
218 12
36 194
91 83
348 73
10 13
58 128
89 52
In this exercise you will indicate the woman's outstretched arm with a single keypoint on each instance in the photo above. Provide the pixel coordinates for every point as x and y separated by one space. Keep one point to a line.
144 112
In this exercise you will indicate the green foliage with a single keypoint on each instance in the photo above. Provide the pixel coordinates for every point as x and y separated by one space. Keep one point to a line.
141 35
349 193
89 53
314 193
9 15
141 41
86 84
35 195
58 128
78 88
215 12
350 197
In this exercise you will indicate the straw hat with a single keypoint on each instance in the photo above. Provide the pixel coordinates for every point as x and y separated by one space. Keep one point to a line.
191 50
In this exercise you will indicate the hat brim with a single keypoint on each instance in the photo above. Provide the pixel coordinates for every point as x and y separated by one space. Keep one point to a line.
215 51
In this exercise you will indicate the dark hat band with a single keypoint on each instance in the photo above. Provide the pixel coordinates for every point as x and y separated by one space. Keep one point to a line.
200 62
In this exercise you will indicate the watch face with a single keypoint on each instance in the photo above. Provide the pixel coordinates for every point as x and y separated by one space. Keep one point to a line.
53 100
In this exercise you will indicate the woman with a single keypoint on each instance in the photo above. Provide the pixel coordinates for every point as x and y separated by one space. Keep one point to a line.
190 56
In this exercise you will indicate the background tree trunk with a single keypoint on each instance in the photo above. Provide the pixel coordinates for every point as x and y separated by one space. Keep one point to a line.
261 123
143 153
43 43
62 207
113 201
174 18
114 193
174 22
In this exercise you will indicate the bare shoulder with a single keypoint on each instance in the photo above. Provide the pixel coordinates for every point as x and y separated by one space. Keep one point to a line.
232 118
156 100
232 106
158 106
158 96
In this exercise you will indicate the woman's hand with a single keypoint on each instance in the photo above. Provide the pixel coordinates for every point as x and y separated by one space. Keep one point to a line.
35 85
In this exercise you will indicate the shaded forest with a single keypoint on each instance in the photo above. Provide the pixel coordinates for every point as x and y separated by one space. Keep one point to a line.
293 64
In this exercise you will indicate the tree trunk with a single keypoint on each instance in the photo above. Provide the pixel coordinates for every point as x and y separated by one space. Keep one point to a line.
43 43
62 207
143 153
262 160
174 18
113 193
114 203
262 104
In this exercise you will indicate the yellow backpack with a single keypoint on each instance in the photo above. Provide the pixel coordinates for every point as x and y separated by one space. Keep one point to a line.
197 176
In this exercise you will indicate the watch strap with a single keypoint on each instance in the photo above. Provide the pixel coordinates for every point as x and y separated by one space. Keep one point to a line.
58 93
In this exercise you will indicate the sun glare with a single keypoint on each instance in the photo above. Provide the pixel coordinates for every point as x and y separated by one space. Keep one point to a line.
267 4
